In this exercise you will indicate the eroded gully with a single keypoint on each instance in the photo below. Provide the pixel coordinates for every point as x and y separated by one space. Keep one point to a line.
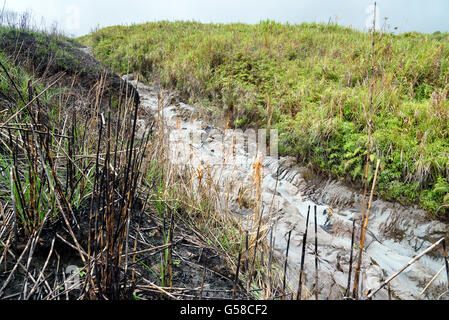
395 234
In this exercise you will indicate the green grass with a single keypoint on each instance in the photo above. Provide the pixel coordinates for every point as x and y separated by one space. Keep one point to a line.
311 82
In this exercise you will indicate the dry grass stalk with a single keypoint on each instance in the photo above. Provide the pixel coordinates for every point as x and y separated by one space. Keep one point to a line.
368 155
364 227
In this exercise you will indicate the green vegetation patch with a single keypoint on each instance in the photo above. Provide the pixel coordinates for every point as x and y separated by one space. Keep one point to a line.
311 81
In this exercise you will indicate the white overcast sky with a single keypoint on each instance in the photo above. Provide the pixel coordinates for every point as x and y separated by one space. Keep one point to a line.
80 17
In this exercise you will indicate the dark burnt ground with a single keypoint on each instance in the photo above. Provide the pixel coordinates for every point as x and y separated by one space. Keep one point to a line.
199 271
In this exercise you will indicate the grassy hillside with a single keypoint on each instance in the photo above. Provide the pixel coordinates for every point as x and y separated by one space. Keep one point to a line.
311 82
46 55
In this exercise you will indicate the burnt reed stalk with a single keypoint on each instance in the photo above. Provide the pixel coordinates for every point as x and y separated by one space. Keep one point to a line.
262 265
30 155
236 280
270 258
256 246
112 201
112 259
351 257
284 282
168 252
316 255
301 273
446 262
130 169
93 218
247 260
203 281
33 157
69 164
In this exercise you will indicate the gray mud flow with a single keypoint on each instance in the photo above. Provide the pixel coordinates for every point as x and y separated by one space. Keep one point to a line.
396 234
